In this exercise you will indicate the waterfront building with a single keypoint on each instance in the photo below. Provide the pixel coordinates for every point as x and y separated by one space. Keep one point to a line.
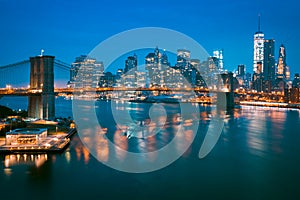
295 90
107 80
25 136
294 95
90 70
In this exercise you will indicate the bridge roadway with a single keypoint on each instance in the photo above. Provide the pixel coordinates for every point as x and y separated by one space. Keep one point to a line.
238 95
31 92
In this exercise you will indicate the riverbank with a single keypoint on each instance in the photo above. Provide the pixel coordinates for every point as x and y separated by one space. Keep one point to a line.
269 104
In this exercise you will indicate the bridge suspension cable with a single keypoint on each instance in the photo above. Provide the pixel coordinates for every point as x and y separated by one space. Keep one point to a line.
17 74
62 65
14 64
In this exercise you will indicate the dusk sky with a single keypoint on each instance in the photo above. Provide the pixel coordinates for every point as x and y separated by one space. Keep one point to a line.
67 29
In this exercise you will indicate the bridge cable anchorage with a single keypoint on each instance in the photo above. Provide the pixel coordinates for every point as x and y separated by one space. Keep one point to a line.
14 64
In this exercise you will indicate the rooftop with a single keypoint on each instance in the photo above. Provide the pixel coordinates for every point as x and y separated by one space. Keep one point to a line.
32 131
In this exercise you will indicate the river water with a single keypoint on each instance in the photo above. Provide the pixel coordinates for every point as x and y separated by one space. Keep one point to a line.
256 157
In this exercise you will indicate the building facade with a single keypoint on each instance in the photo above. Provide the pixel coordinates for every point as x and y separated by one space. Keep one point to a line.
258 53
86 72
269 65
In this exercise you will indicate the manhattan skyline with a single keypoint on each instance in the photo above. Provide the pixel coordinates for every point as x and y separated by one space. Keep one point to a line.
69 29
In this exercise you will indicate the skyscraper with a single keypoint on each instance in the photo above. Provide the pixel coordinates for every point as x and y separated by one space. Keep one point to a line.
269 64
258 49
186 68
241 70
296 81
219 55
151 61
130 71
131 63
283 70
90 72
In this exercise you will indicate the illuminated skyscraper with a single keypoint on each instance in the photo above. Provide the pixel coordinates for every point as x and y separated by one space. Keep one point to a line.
130 71
219 55
186 68
283 70
258 58
131 63
90 72
183 56
269 64
241 71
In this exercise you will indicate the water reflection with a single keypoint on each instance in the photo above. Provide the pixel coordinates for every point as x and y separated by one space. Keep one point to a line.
80 149
25 159
30 160
261 128
257 151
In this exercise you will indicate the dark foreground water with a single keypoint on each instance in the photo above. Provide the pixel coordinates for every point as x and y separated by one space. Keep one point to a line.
256 157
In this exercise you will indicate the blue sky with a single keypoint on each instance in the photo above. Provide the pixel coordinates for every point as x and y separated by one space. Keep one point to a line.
67 29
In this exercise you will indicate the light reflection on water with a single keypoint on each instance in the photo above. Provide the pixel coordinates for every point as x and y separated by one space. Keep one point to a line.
258 150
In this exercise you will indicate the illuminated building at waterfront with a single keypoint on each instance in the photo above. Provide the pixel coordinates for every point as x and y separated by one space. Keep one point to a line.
90 72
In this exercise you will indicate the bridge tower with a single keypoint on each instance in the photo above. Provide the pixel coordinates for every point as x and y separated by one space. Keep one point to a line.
42 79
228 96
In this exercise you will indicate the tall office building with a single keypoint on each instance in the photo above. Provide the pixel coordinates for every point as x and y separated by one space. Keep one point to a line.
164 59
283 70
186 68
269 65
241 70
90 72
130 71
219 55
258 58
131 63
151 61
183 57
296 81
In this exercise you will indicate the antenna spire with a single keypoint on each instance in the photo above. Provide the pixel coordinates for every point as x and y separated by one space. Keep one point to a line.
259 22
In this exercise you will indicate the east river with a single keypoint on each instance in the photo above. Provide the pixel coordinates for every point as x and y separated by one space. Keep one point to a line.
256 157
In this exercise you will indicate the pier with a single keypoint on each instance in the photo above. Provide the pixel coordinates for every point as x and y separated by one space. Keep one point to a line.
52 144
